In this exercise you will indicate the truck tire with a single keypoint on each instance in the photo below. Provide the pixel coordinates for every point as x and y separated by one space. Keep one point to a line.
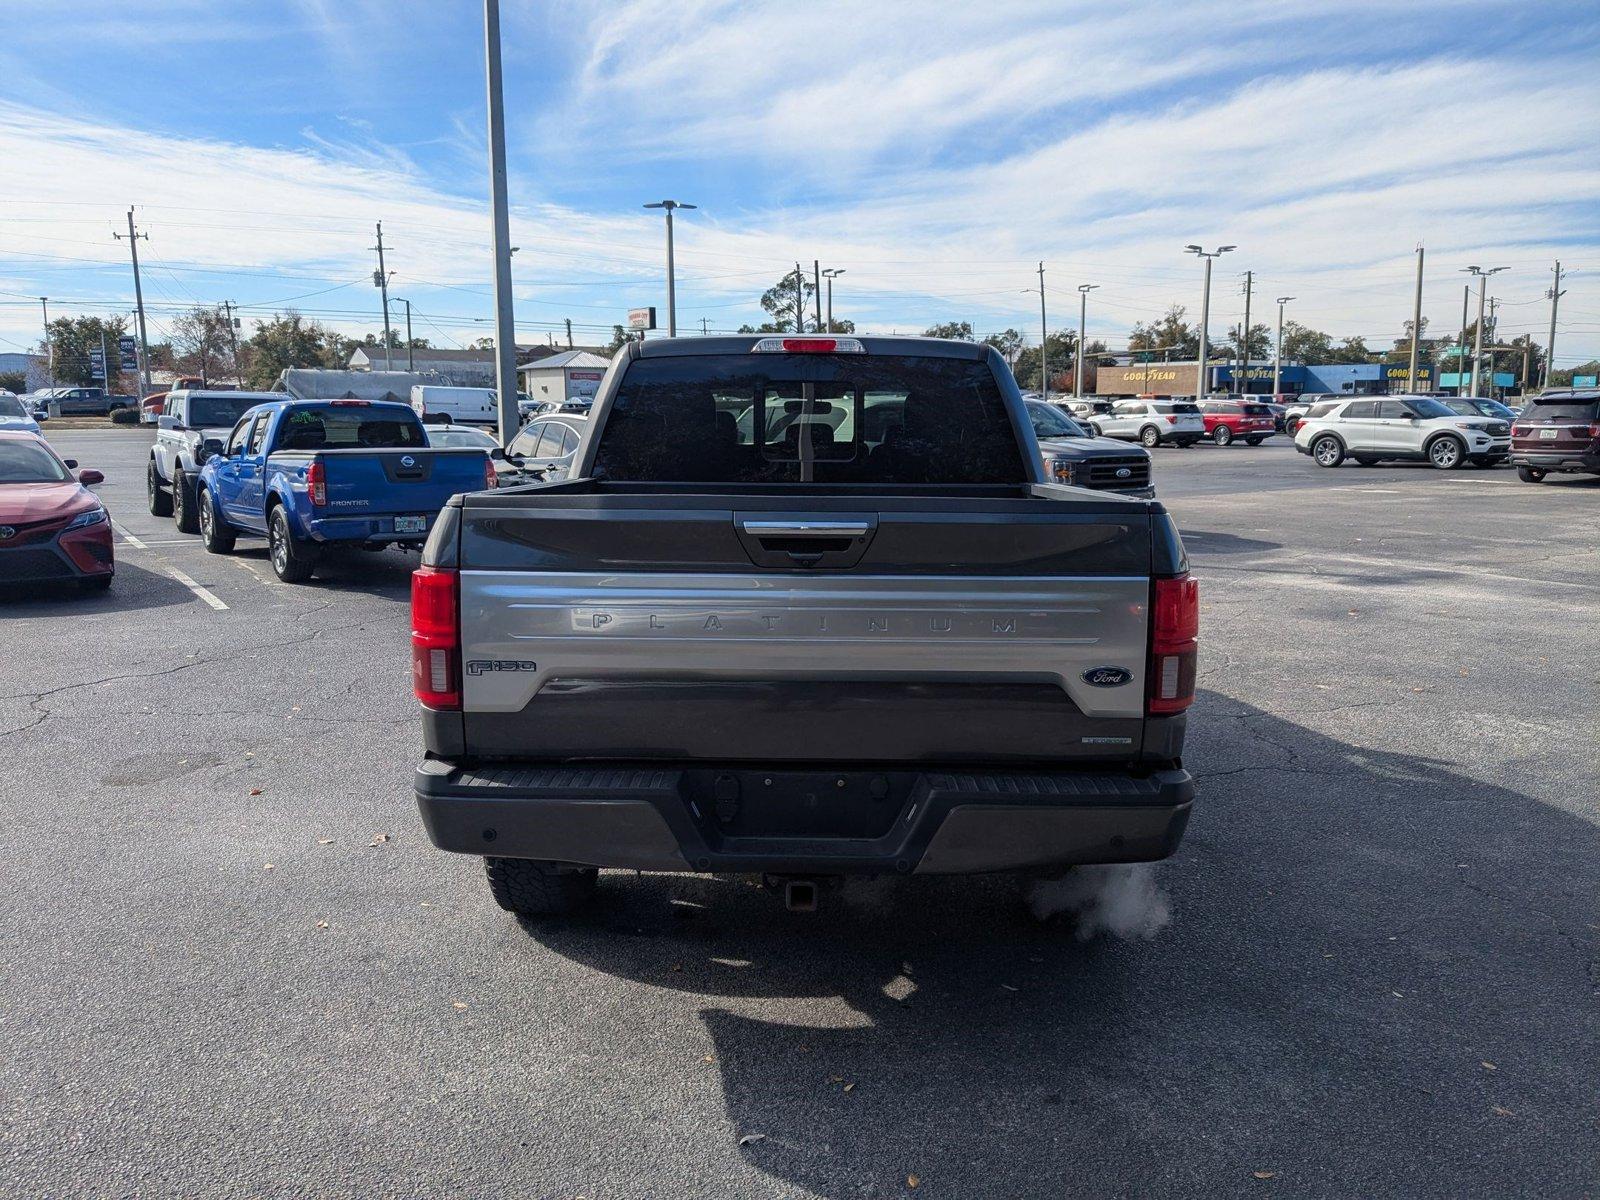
1447 453
215 533
1150 437
160 502
292 560
1530 474
184 511
1327 451
531 888
1222 435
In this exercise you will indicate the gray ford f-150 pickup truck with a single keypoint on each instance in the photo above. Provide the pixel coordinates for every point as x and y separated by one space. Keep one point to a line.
807 607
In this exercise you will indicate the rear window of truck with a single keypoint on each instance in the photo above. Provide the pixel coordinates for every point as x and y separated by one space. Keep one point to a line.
782 418
349 427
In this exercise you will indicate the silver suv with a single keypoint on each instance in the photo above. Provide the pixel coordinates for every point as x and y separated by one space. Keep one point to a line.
1378 428
1152 423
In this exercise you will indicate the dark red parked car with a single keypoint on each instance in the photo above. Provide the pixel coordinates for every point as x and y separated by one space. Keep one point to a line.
1229 419
52 527
1557 431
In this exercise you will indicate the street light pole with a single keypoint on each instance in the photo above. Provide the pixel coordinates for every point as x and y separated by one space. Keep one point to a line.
672 269
1083 311
1044 341
49 346
1416 328
1202 382
505 330
411 360
1477 337
1244 339
1277 355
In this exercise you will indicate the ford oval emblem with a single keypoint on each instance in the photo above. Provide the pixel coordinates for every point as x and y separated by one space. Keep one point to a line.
1107 676
1124 473
408 461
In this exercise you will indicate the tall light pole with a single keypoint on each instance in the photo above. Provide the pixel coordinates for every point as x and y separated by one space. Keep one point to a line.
49 346
1477 338
1277 355
1083 312
1554 295
1244 340
1416 328
410 353
672 270
1202 382
830 274
505 330
1044 341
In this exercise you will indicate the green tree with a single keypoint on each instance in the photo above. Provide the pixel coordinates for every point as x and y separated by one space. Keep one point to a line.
620 337
786 304
1009 343
14 381
287 340
1354 349
1170 334
960 331
71 339
1302 344
1260 342
1063 347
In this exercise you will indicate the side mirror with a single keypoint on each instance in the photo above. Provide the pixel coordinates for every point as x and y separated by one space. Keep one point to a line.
498 454
70 463
88 478
165 422
208 449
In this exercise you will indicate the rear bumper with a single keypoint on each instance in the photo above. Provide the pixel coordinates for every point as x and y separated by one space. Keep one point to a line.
373 530
1558 461
647 818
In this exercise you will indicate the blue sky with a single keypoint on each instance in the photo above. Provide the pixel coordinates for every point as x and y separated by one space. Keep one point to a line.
935 156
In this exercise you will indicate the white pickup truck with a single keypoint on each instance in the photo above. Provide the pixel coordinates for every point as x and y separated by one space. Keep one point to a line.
188 419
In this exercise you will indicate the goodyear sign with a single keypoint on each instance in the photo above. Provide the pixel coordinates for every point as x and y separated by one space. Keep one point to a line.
1401 375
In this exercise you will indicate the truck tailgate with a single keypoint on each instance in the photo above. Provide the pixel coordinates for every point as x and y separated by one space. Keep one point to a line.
385 482
925 629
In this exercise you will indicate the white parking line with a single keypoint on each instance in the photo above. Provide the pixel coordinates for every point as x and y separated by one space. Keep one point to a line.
205 594
129 538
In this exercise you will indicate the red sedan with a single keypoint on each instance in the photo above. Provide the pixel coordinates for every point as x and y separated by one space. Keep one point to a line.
52 527
1227 420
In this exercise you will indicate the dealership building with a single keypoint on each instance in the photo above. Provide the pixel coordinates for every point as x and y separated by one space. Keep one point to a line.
1181 379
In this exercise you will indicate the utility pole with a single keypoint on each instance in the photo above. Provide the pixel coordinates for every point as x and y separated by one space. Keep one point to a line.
1202 373
233 340
505 330
703 326
1416 328
1461 350
133 237
380 278
1477 338
49 346
569 331
410 351
1044 341
1527 349
816 290
830 275
1554 295
1277 355
1494 328
1083 311
105 363
799 299
1244 340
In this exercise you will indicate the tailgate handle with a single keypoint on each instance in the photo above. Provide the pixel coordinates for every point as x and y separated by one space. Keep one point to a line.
806 529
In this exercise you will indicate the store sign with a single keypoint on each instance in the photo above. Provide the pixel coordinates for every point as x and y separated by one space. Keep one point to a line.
642 318
1586 381
128 352
97 364
1403 374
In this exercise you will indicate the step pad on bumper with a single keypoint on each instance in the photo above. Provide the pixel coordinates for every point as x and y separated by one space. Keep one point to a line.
644 818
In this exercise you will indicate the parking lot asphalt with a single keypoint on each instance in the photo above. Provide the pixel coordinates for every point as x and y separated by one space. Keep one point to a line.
234 966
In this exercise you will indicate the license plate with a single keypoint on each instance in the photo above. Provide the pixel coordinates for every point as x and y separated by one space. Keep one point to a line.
1549 433
411 524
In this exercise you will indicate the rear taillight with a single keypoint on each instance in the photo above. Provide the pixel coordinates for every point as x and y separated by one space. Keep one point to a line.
1594 429
1174 641
1521 430
317 482
1172 418
490 479
436 638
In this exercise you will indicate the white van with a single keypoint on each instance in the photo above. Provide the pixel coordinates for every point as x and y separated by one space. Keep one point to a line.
455 405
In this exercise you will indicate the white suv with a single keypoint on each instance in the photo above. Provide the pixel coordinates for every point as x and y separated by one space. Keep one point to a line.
1152 423
1376 428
